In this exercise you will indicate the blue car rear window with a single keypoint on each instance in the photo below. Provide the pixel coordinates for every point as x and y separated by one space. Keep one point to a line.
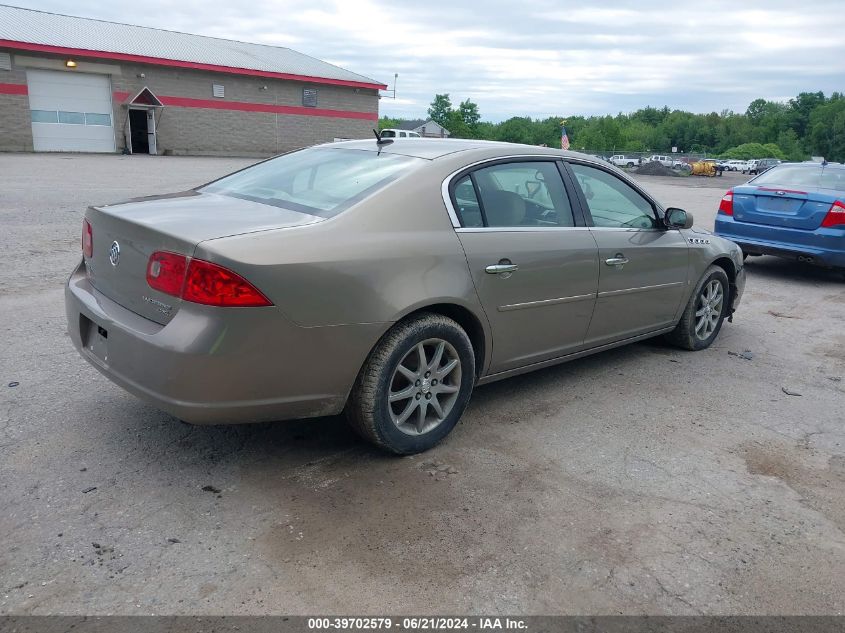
809 176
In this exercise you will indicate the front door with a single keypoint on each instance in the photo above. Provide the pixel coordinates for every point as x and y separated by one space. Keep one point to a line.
535 271
644 267
138 131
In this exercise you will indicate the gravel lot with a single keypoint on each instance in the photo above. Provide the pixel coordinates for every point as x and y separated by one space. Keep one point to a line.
642 480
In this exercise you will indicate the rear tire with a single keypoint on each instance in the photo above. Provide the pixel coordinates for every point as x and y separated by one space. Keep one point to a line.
406 398
705 312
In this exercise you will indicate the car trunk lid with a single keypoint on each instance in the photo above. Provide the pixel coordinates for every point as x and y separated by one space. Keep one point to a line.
775 206
125 235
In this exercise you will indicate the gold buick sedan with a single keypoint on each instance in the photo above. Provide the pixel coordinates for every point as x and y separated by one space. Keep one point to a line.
385 280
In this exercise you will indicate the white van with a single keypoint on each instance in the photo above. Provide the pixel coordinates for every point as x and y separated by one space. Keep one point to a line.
391 133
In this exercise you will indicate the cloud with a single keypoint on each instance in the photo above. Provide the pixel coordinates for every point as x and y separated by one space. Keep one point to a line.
539 58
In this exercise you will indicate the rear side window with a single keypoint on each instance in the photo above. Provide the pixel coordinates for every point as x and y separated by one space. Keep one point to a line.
513 195
320 182
467 207
613 203
810 176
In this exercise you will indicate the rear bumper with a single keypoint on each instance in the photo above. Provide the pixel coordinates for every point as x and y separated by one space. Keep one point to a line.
219 365
823 246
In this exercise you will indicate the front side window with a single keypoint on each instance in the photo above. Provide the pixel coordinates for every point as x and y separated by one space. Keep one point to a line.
316 181
612 202
515 195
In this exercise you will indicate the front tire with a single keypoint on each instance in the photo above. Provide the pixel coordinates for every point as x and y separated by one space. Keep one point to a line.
705 312
414 386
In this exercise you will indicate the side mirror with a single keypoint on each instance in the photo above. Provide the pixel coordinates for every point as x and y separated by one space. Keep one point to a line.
677 218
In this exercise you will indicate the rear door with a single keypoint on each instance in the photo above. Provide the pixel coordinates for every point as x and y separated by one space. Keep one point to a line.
533 262
643 268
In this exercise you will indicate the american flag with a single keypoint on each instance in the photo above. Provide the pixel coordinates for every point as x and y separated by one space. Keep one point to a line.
564 139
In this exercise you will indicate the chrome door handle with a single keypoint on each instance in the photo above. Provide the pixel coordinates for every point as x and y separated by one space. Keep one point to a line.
619 260
497 269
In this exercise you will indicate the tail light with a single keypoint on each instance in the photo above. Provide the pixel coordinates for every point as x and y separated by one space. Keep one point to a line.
726 206
835 215
87 239
200 281
166 272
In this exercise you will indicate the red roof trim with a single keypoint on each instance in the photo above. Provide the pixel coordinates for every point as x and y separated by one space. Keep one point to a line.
13 89
243 106
160 61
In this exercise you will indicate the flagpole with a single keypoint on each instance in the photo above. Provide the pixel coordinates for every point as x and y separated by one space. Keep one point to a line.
564 138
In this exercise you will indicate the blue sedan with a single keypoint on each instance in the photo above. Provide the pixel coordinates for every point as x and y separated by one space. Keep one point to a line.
794 210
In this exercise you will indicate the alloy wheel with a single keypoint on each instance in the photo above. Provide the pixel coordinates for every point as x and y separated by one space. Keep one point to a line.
709 309
424 386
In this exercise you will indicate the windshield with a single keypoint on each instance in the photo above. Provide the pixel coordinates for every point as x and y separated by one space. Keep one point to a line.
316 181
811 176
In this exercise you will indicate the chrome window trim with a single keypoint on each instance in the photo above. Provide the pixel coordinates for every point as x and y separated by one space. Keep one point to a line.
516 229
534 229
447 199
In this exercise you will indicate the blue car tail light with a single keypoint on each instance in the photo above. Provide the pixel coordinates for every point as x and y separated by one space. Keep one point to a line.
835 215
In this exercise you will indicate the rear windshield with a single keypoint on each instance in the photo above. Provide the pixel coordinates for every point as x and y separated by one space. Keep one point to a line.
811 176
316 181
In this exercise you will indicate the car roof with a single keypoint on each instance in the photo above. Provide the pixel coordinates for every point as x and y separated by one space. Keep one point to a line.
434 148
810 164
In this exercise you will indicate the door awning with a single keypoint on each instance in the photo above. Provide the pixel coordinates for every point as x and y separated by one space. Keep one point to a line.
144 98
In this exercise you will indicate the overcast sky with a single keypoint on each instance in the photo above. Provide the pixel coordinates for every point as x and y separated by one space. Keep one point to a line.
535 57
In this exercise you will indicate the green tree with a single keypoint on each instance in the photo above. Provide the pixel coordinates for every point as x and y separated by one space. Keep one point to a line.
386 122
439 110
800 109
747 151
756 109
469 115
809 123
791 147
826 129
515 130
456 125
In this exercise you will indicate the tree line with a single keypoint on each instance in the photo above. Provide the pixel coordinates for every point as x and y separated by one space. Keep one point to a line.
811 124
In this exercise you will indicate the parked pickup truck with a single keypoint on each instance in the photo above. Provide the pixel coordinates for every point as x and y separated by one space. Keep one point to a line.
624 161
666 161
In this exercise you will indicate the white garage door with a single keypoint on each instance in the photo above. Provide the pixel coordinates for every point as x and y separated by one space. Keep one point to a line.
71 112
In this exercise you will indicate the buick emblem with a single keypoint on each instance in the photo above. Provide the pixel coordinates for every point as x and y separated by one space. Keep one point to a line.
114 254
